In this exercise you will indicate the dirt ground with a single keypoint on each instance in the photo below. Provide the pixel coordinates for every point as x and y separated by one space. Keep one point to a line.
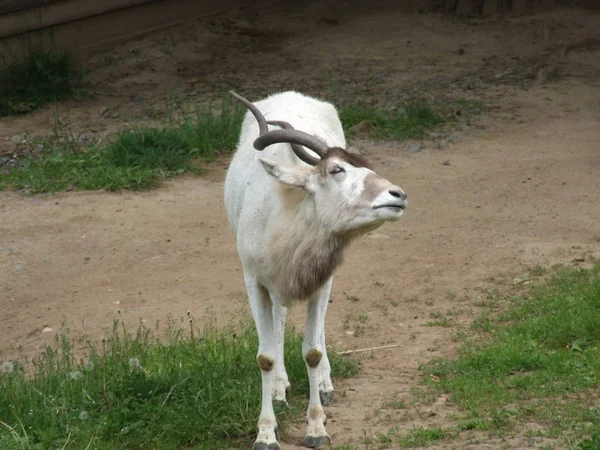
520 187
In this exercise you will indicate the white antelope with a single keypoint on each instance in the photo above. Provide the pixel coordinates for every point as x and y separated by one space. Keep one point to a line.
294 212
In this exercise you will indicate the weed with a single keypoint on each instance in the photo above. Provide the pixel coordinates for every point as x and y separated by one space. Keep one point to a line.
459 335
466 106
182 390
419 437
43 77
352 298
444 322
395 404
537 271
363 318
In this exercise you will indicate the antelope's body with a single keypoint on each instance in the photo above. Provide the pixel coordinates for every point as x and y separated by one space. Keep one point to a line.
294 212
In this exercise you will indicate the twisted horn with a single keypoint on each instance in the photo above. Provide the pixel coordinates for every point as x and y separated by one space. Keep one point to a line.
298 149
288 135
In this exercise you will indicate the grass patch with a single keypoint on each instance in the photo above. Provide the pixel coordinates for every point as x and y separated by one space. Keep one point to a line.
192 390
135 159
143 158
43 77
537 361
410 122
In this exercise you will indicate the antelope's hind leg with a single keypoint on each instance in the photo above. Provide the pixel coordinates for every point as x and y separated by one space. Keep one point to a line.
281 384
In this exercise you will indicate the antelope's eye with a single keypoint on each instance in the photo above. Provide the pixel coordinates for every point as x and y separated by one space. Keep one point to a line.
337 169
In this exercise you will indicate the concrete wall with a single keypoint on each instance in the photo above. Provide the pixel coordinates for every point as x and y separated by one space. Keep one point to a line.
90 26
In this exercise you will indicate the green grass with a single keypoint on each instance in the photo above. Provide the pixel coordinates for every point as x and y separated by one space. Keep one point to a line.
537 360
197 389
42 77
407 123
143 158
135 159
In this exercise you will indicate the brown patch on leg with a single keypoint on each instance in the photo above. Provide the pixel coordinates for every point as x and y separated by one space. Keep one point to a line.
316 412
313 357
265 363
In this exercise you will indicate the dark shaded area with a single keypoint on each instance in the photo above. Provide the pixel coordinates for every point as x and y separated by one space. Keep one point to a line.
490 7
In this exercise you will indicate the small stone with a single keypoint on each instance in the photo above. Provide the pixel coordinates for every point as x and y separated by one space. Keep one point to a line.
414 148
20 268
17 139
446 162
46 330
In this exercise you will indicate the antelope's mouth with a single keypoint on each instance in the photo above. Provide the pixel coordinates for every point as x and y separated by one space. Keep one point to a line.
394 206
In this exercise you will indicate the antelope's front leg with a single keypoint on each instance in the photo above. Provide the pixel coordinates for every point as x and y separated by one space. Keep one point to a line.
325 385
312 351
262 311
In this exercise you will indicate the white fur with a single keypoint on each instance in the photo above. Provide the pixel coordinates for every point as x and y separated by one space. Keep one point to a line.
258 212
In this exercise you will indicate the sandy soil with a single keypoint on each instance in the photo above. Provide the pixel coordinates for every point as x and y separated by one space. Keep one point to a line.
522 186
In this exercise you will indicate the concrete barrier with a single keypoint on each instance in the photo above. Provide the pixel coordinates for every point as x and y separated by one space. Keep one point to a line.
91 26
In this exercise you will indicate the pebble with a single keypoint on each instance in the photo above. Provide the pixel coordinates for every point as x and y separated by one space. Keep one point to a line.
446 162
20 267
415 148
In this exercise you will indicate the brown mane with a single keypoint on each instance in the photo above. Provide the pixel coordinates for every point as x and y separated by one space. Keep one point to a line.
355 159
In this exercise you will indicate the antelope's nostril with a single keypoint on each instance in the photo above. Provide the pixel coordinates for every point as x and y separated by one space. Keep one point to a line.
398 194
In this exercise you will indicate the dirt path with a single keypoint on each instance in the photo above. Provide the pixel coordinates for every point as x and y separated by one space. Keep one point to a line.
522 188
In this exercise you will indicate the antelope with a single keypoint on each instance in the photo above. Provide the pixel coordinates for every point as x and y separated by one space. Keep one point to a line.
294 206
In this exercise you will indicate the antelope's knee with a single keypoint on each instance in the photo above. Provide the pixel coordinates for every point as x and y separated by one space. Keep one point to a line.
313 357
265 363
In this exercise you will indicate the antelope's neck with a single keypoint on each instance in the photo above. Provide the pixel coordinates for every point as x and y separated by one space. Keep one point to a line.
303 254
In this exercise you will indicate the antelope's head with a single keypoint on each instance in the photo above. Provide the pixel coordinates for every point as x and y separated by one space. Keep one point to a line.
347 193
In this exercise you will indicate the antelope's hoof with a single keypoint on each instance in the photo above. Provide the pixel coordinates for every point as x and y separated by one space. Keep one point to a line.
326 397
317 441
265 446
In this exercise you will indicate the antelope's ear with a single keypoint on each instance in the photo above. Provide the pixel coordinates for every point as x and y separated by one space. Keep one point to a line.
290 176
